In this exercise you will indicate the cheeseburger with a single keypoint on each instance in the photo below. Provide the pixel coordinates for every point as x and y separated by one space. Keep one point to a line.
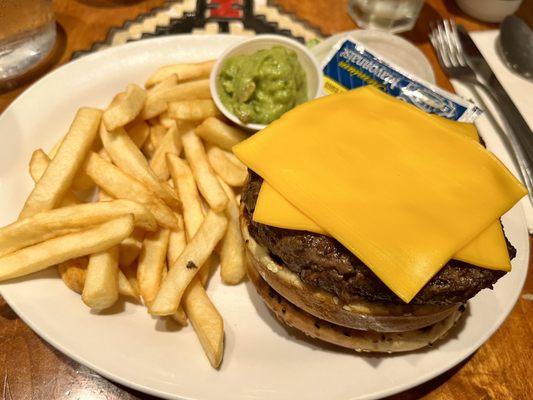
313 282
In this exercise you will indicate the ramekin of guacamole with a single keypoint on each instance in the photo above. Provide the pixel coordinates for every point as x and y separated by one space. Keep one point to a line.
262 86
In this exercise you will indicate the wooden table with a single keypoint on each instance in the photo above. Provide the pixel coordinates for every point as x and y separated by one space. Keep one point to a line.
30 369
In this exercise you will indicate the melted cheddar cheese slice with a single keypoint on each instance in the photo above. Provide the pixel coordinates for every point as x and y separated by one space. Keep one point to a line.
396 187
487 250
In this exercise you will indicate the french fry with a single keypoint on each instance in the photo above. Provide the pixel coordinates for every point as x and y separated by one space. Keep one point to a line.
229 172
157 132
39 161
54 251
130 273
53 151
80 183
199 305
184 183
176 244
157 102
203 173
139 132
130 248
165 120
206 321
193 212
148 149
125 288
171 143
101 280
101 287
207 269
232 262
38 164
125 108
165 83
220 134
103 154
129 159
73 273
103 196
56 180
233 158
122 186
192 110
164 271
151 264
49 224
182 272
183 72
180 317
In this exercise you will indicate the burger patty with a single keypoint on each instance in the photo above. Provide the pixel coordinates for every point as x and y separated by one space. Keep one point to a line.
323 262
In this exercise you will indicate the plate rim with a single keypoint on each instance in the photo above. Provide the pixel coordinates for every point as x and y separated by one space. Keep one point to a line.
518 210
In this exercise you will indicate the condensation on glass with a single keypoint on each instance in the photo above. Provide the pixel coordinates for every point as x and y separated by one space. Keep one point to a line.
385 15
27 35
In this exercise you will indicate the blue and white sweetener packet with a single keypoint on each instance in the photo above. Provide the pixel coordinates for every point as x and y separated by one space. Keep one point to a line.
350 65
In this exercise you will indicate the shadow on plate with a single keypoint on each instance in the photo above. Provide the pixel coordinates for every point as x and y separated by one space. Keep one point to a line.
166 324
424 389
116 308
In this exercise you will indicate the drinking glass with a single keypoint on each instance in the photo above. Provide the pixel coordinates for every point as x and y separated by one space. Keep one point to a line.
27 35
385 15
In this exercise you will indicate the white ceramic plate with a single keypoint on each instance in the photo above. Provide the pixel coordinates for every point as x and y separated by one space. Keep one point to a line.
394 48
263 360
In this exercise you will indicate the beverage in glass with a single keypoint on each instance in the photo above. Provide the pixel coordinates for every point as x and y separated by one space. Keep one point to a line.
385 15
27 35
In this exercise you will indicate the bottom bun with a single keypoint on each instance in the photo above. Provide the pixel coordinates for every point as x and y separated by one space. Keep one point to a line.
358 340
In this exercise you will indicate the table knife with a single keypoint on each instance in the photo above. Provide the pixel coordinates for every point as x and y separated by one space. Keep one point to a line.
515 123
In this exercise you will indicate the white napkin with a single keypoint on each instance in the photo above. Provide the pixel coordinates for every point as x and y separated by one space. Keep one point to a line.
489 124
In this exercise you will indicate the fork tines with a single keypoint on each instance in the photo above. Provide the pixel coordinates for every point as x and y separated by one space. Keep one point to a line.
445 40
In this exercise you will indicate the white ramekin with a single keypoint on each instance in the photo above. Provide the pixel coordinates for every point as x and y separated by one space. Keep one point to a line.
312 70
489 10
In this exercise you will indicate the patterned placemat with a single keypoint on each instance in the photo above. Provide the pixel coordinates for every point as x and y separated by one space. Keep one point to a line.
241 17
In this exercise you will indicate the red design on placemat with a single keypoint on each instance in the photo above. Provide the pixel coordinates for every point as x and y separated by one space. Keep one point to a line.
225 8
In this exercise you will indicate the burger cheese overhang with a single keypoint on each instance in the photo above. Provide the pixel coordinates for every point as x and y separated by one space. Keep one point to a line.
403 190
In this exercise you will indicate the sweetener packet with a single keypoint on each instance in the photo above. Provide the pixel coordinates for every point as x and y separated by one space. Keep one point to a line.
350 65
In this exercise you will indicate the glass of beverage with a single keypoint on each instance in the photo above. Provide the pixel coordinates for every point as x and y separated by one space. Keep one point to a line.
27 35
385 15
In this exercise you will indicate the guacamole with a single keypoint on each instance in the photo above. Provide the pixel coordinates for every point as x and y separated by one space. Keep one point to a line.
260 87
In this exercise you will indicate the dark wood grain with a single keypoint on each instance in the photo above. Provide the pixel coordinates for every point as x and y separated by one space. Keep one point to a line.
31 369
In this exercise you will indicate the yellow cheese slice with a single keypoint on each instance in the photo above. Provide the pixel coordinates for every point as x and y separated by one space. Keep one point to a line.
396 188
273 209
488 250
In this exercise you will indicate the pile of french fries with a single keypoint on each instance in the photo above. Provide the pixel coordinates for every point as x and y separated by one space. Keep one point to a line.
139 200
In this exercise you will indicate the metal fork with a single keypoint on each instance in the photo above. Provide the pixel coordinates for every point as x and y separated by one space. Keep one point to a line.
445 41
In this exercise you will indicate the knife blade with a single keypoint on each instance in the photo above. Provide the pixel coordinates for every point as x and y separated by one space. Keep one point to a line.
515 123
